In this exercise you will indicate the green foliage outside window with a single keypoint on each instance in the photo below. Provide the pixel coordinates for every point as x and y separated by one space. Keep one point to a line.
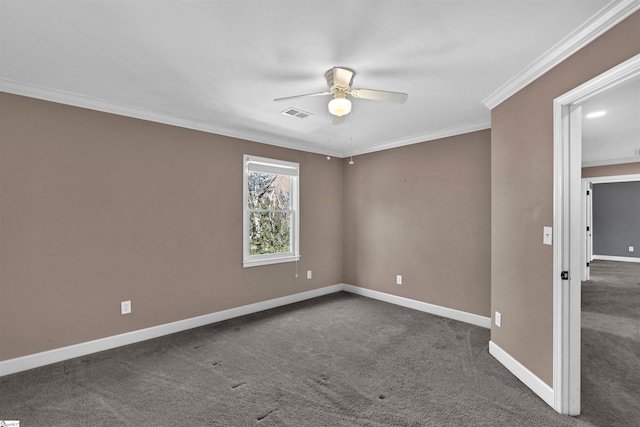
269 213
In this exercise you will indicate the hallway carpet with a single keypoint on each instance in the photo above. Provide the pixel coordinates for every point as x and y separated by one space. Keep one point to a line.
611 344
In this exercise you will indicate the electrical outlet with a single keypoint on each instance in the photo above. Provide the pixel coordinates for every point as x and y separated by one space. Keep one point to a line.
398 280
630 248
125 307
498 319
309 275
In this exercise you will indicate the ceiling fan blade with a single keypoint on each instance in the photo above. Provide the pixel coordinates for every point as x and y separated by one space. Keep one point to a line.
379 95
343 77
304 96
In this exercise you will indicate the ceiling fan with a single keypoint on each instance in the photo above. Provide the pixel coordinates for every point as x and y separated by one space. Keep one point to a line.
339 80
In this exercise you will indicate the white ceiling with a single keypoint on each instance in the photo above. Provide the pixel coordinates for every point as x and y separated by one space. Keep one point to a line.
217 65
615 137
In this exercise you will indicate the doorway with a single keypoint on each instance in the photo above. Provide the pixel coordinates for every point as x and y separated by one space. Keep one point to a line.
587 218
569 250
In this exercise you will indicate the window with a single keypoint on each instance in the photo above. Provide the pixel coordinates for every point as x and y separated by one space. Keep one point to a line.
271 217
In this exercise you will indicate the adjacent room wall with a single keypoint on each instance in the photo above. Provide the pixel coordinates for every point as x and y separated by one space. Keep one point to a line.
422 211
616 219
611 170
522 198
98 208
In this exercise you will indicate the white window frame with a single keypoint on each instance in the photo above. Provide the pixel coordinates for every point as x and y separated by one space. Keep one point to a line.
279 167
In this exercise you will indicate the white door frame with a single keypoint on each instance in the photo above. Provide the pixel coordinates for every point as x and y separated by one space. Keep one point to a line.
568 236
587 228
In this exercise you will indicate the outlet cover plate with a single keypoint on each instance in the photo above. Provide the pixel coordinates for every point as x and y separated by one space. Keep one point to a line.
125 307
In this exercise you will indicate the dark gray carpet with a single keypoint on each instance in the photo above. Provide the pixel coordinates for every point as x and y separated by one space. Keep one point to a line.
611 344
339 360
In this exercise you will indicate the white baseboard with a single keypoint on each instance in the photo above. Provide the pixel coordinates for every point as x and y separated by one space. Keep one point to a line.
438 310
59 354
529 379
616 258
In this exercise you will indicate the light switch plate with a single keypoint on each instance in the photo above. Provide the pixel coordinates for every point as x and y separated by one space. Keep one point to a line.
547 236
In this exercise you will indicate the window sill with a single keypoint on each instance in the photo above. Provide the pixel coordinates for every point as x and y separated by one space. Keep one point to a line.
268 261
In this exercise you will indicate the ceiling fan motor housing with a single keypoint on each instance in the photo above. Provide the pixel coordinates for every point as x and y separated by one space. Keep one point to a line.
339 79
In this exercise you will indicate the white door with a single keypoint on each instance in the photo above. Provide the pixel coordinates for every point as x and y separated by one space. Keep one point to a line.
575 257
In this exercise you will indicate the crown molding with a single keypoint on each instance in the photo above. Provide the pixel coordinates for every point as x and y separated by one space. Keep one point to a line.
81 101
416 139
612 178
605 19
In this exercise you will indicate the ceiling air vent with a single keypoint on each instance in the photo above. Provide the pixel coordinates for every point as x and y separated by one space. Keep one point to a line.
294 112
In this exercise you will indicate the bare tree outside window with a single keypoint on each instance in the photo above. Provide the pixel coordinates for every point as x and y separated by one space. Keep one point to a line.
269 202
271 214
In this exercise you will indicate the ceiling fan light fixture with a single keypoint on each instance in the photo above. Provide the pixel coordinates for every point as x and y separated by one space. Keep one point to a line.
339 106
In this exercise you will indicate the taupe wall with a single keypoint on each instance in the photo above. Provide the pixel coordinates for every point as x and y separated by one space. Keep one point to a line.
97 208
611 170
522 198
422 211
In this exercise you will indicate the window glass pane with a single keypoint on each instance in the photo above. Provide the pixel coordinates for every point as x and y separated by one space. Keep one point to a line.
269 191
269 233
